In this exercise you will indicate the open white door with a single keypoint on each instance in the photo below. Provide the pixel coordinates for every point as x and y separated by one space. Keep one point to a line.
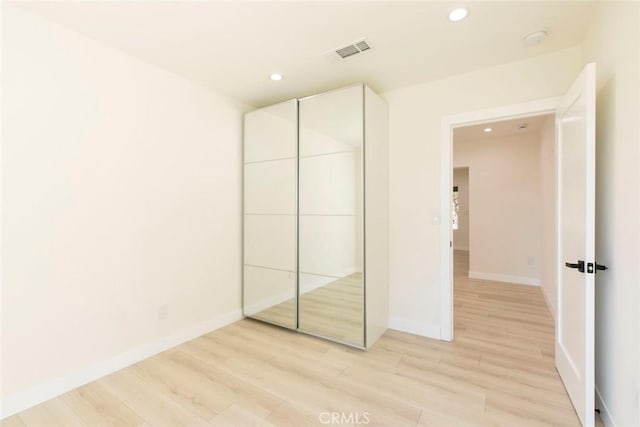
575 136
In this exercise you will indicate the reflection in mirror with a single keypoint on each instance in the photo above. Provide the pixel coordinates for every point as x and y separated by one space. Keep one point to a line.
270 175
331 300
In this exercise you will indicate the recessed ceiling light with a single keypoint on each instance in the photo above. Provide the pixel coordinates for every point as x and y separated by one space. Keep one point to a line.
276 77
458 14
487 130
535 36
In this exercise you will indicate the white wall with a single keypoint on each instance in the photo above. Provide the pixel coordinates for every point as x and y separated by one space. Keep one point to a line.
415 115
121 194
614 44
461 235
548 212
504 181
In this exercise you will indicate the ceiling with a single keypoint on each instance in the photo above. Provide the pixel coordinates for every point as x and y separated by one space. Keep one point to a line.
504 128
233 47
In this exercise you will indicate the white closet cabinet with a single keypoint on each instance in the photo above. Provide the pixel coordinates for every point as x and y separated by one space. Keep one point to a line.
316 215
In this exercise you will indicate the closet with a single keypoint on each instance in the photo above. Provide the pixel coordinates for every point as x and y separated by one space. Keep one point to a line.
315 248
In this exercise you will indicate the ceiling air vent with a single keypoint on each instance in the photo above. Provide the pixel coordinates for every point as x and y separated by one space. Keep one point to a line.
353 49
362 46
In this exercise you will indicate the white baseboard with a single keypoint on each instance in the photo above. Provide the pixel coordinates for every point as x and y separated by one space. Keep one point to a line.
413 327
605 414
20 401
548 301
265 303
518 280
308 283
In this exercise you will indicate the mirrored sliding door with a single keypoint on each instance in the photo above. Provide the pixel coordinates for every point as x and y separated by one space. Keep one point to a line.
270 214
331 241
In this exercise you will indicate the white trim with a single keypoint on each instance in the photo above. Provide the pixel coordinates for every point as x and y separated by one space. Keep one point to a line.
605 413
415 328
446 231
263 304
517 280
549 306
537 107
312 282
318 281
42 392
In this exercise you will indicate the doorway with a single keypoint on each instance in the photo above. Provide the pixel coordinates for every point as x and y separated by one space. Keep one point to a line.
503 242
473 122
574 232
503 228
460 221
505 170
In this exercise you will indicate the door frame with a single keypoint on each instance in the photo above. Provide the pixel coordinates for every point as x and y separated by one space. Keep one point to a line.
448 124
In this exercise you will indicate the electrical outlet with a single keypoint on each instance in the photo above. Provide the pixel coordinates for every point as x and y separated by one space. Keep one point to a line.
531 260
163 312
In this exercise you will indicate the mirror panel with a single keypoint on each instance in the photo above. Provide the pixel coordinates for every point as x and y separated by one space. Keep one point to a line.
331 215
270 208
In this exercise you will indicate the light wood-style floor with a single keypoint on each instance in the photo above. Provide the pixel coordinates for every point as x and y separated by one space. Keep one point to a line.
499 371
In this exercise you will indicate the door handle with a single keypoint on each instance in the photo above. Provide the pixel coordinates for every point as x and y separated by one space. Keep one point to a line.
579 265
593 267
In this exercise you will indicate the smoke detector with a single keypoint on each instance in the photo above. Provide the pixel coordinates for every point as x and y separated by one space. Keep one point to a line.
536 36
352 49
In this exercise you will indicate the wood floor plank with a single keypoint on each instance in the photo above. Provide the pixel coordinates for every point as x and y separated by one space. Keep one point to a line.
292 415
228 383
13 421
236 415
181 386
54 413
152 405
435 417
96 406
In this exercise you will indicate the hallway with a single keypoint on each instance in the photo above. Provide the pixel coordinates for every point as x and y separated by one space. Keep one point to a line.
511 326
